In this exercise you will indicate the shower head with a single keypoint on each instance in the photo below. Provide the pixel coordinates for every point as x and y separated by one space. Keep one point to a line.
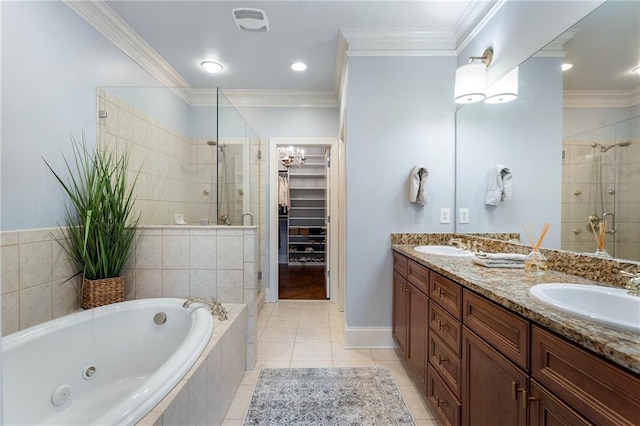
607 148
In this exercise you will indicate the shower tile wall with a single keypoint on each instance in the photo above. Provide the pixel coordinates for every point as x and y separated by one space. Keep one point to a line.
579 196
166 262
167 162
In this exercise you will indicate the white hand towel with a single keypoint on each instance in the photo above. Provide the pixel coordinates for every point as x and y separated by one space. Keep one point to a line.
498 263
499 187
502 256
418 185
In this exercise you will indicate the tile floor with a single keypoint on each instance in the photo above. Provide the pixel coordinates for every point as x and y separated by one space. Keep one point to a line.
299 334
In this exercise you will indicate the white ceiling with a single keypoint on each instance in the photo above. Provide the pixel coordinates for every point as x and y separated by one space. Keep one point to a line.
185 33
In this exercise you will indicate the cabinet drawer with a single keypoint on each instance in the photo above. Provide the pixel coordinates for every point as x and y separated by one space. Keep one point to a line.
597 389
547 410
442 400
446 293
505 331
446 363
400 264
446 327
418 275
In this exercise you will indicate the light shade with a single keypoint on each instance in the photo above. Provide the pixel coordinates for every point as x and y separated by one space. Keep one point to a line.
470 83
504 90
298 66
211 66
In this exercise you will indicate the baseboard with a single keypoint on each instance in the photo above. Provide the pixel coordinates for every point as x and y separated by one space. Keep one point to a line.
368 337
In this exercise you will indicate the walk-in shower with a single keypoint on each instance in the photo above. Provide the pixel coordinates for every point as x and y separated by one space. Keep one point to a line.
600 185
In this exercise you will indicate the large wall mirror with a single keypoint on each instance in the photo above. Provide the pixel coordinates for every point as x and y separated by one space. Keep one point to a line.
571 141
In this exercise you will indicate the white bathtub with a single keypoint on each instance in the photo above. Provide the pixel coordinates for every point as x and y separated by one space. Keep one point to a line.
136 363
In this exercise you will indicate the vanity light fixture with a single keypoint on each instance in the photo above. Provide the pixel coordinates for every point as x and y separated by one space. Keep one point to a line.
471 79
298 66
504 90
211 66
566 66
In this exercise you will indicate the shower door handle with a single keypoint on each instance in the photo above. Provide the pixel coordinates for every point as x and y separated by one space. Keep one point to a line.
612 228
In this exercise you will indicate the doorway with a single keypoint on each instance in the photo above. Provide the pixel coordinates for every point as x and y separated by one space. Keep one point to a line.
303 241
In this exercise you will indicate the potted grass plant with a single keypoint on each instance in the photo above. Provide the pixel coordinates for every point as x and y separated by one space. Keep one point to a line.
100 221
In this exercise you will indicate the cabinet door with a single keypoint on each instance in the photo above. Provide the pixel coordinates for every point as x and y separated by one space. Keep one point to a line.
494 390
547 410
400 330
418 316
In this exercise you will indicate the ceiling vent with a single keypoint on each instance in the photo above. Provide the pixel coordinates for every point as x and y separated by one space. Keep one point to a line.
251 20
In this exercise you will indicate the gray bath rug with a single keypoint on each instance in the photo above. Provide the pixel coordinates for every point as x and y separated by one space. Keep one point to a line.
327 396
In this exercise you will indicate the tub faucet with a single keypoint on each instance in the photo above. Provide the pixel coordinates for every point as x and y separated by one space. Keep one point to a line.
214 306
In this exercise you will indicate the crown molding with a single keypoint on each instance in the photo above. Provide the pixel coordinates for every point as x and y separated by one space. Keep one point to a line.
601 98
108 23
395 42
340 71
267 98
473 19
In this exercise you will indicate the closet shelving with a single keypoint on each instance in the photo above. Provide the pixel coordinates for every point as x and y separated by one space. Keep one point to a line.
307 214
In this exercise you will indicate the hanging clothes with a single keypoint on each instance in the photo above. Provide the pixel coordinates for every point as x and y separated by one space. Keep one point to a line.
284 198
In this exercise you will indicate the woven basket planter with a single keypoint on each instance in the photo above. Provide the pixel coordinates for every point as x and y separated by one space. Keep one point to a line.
102 292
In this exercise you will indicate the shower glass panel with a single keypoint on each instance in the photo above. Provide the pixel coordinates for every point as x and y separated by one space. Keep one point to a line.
239 170
600 174
198 161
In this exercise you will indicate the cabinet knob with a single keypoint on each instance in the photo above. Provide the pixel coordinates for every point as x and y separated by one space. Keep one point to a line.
441 325
441 360
440 401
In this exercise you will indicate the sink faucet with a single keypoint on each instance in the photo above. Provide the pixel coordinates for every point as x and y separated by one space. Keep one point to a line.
459 243
633 285
214 306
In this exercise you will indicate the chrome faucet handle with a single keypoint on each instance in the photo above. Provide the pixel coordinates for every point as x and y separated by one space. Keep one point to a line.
476 247
633 285
219 310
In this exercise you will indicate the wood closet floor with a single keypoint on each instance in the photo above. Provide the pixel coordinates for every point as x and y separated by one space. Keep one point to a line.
301 282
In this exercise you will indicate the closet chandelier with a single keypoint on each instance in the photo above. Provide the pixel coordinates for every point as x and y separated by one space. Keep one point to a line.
290 156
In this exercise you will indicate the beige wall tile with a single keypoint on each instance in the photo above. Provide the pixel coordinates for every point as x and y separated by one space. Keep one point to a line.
175 252
202 283
148 283
175 283
10 313
8 238
62 265
230 253
149 252
35 305
35 264
66 296
198 391
9 268
229 286
202 252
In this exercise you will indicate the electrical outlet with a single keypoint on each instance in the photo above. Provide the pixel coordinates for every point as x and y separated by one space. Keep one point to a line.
445 215
464 215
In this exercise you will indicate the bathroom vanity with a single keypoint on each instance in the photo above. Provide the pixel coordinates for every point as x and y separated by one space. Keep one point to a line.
486 353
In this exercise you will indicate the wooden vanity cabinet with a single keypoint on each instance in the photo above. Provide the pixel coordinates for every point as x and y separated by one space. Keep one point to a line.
411 313
484 365
400 321
494 390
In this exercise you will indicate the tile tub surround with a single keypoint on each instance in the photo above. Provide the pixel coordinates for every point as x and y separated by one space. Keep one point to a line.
510 289
205 393
166 261
580 264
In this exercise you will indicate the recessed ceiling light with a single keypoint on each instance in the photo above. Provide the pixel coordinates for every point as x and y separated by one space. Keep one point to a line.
211 66
566 67
298 66
636 70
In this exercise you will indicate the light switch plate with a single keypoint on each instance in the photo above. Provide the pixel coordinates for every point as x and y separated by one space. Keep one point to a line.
464 215
445 215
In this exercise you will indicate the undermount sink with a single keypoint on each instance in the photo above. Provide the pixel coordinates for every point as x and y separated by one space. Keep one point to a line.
444 251
603 305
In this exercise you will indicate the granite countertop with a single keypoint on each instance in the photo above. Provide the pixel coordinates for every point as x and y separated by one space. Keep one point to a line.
510 289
